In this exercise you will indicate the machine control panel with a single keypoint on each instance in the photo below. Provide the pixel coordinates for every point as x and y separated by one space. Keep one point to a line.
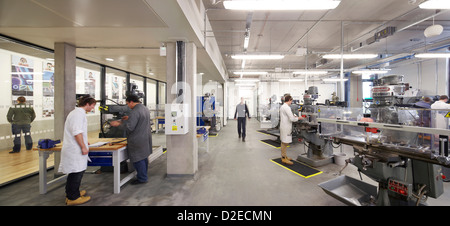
399 187
177 116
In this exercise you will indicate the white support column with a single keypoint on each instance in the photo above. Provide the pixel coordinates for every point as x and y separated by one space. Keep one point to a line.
65 89
182 150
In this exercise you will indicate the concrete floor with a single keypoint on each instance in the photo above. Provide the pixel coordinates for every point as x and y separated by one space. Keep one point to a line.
232 173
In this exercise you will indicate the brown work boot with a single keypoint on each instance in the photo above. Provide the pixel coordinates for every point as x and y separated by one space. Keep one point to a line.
78 201
286 161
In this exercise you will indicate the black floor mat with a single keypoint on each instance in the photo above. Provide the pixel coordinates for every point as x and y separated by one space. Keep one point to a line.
272 143
269 132
298 168
213 134
263 131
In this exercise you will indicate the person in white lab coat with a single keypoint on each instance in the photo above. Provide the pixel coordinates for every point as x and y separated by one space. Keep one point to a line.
74 152
440 121
286 120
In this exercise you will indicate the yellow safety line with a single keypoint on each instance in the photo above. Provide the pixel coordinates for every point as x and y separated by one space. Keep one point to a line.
263 133
296 172
269 145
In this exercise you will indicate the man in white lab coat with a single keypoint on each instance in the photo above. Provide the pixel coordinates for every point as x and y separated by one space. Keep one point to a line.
74 152
286 120
439 120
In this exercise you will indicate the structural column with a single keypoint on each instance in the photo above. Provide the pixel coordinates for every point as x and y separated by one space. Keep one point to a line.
182 150
65 88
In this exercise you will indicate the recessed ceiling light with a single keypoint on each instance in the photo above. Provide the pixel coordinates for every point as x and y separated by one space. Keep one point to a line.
432 55
370 72
435 4
281 5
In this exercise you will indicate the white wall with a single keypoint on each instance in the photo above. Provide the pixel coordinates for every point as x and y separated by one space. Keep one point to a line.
296 89
42 126
430 76
266 90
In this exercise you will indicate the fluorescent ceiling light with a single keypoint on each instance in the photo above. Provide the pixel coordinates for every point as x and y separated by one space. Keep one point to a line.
304 72
290 80
432 55
250 72
334 79
281 4
109 59
435 4
246 41
257 57
370 72
350 56
247 80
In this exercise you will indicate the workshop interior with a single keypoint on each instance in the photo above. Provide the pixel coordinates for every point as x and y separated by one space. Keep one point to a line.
368 81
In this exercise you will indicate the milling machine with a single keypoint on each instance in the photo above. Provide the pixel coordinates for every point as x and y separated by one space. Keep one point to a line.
320 148
387 150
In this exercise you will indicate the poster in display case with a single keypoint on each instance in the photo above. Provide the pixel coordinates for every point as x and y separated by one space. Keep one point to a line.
22 74
48 89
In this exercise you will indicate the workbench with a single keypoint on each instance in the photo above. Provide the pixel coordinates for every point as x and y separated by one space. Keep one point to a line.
204 137
159 120
119 154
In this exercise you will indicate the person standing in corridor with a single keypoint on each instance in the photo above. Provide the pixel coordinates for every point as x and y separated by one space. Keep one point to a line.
241 113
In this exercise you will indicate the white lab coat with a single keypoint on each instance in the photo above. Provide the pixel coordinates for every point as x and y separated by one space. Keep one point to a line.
286 120
439 120
72 160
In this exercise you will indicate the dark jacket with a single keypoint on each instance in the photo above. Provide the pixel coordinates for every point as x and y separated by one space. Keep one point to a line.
21 114
139 134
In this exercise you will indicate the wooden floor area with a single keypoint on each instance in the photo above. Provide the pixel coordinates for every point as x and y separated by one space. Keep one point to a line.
23 164
19 165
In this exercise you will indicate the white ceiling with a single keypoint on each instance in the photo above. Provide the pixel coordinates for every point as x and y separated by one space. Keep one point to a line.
132 31
282 32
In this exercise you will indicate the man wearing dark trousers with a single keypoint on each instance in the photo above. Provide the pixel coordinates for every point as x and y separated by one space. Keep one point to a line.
241 113
21 116
139 136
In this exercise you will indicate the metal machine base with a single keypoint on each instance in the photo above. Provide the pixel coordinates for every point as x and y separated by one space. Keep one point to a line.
315 161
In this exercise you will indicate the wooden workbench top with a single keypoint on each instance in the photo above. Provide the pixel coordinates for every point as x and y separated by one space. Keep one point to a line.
206 127
105 147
